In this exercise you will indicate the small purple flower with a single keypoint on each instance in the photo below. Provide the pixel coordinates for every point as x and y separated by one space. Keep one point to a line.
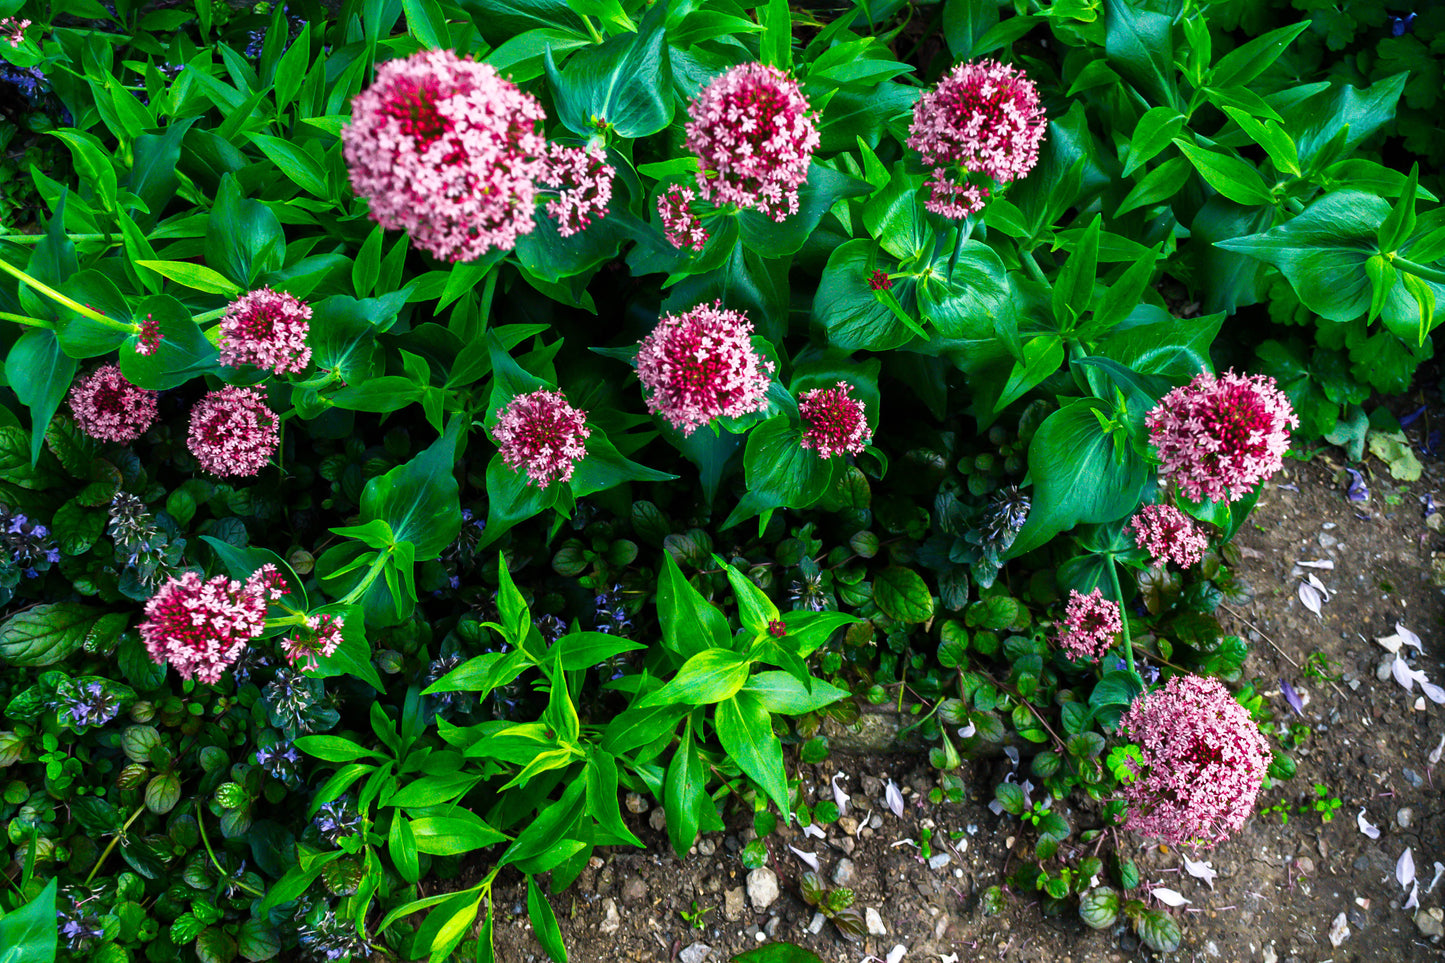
336 820
1399 26
1358 491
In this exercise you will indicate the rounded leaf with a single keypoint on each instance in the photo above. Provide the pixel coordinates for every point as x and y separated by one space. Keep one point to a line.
902 595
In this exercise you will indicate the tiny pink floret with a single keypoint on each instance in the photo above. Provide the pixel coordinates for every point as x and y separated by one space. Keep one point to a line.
582 179
268 329
233 431
699 365
201 627
834 422
753 138
448 150
983 117
1203 763
13 30
1218 437
320 639
109 408
1169 535
681 226
1091 626
541 434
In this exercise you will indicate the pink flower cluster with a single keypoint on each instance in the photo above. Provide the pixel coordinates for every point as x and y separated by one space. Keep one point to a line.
1203 762
753 138
320 639
543 435
682 227
1169 535
700 364
15 29
148 338
1091 624
984 117
583 181
1219 437
109 408
836 422
448 150
233 432
200 628
268 329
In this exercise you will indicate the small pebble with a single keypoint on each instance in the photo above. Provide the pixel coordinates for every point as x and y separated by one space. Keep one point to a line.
939 860
816 926
1431 923
897 953
706 846
696 953
762 888
657 819
1404 817
1339 930
874 922
1413 777
844 872
636 803
611 919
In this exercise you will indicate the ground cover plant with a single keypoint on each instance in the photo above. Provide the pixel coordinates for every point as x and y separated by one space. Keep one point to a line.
346 558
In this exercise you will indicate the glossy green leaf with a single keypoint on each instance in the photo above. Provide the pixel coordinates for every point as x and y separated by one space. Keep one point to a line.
709 676
745 730
902 595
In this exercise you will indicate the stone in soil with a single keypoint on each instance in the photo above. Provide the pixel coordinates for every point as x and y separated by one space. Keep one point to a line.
1431 922
1339 930
733 904
634 891
844 872
611 919
874 922
762 888
696 953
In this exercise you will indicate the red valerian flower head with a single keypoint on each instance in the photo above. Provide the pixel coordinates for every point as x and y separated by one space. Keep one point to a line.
835 423
1219 437
148 338
1169 535
13 30
753 138
200 628
448 150
680 225
983 117
268 329
879 281
700 364
320 638
542 434
583 181
1091 625
233 432
109 408
1203 762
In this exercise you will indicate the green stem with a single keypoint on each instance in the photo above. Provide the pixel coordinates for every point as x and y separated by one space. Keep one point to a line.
37 238
1123 620
26 320
201 825
210 315
114 839
591 30
963 232
1032 266
59 298
1419 270
370 577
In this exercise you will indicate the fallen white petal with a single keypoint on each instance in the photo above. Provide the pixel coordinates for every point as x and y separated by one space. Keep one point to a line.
840 798
1200 870
948 958
1324 564
1013 755
1414 901
1439 871
1435 756
996 808
1168 896
967 731
814 830
1314 580
894 798
808 858
897 953
1403 673
1405 868
1310 596
1420 704
1433 691
1366 827
1408 637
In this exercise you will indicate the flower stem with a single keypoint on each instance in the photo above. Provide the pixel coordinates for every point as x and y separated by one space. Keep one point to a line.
37 238
1123 620
591 30
1419 270
1027 257
59 298
26 320
113 840
201 825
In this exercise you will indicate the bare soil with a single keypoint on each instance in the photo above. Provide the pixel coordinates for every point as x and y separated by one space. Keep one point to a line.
1281 886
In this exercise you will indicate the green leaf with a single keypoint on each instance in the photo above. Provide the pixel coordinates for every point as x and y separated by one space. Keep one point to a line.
1078 475
28 933
401 845
1269 135
823 188
779 469
163 792
427 22
1345 111
215 945
333 748
183 353
1139 45
851 313
457 915
1249 60
625 81
1161 183
902 595
47 633
1011 796
745 729
778 953
544 922
1158 930
756 611
243 237
1236 179
685 794
303 169
776 45
583 650
420 498
453 835
257 941
780 692
1155 130
690 623
40 374
602 797
711 675
965 304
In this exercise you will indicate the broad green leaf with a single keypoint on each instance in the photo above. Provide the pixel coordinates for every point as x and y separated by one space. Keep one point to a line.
419 499
452 835
780 692
602 797
778 467
583 650
709 676
1236 179
544 922
28 934
624 82
902 595
690 623
685 794
47 633
1139 45
745 730
1249 60
1155 130
40 374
